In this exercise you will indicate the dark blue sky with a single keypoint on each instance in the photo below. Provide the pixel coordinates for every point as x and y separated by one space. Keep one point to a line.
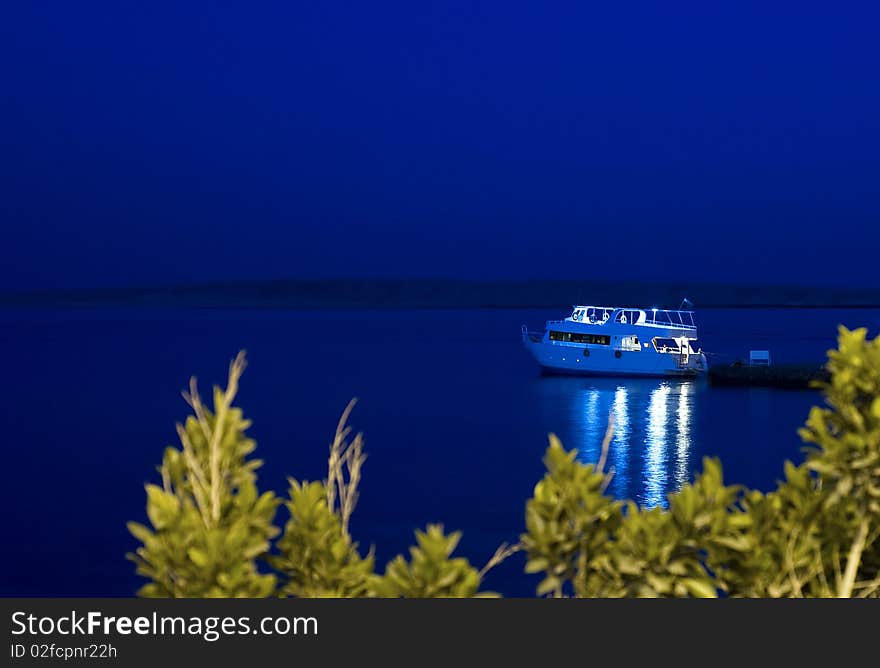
149 143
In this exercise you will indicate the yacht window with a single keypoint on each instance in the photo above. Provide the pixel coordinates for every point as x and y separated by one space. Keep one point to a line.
575 337
630 343
662 345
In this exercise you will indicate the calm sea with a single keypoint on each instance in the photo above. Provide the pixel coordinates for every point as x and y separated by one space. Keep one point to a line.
454 413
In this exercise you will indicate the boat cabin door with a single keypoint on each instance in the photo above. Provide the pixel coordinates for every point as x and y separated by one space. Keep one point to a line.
685 348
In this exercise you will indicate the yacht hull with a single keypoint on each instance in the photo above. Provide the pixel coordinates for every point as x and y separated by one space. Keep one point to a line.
560 359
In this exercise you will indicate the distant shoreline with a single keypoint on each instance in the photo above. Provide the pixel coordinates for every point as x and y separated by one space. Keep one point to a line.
239 307
444 294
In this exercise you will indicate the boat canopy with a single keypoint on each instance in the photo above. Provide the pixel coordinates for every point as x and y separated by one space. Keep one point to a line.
599 315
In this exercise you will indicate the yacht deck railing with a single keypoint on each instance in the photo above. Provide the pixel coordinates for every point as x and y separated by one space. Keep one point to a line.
669 318
599 315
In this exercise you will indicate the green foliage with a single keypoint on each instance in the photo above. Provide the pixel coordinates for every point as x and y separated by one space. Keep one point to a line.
432 572
569 521
591 546
209 522
658 553
317 556
817 533
847 461
781 547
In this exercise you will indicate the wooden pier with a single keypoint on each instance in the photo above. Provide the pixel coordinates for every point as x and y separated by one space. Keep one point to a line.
789 376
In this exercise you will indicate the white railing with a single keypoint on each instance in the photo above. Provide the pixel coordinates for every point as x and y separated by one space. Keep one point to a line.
534 337
599 315
668 318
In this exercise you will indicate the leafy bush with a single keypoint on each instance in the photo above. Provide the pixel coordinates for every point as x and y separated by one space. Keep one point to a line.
317 557
431 571
210 523
816 534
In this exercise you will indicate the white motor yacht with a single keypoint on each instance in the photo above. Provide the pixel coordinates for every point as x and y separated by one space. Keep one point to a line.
619 341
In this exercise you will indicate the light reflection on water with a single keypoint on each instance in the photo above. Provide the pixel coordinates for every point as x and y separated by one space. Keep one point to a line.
655 478
619 449
652 442
683 434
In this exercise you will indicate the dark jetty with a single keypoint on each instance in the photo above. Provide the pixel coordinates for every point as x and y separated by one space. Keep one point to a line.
790 376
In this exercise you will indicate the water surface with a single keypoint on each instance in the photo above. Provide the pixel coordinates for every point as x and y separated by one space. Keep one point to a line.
454 412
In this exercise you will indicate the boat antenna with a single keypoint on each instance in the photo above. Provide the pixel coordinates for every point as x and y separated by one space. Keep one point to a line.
685 304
